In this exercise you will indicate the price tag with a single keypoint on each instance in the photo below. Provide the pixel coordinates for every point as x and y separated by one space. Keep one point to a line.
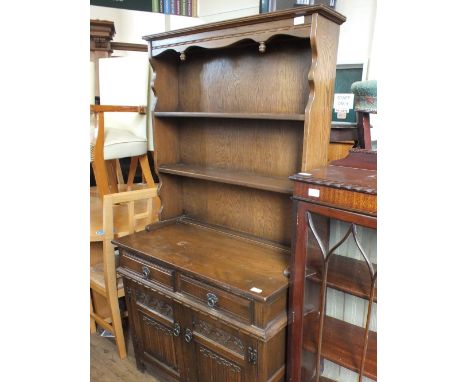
314 192
256 290
299 20
341 114
343 101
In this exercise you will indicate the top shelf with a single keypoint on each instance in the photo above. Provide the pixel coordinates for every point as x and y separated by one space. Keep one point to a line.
273 116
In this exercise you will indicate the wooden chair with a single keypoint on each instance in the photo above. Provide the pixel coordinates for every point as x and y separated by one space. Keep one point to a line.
122 214
123 81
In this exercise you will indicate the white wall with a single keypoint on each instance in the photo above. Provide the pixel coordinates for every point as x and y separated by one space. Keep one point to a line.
218 10
130 25
356 34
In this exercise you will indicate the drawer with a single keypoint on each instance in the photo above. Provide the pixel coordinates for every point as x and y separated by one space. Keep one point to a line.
150 272
337 198
216 298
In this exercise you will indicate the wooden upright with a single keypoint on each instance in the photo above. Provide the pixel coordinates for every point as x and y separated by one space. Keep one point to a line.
242 104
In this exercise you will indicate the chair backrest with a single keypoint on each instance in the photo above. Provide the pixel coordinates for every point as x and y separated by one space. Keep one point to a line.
138 213
124 81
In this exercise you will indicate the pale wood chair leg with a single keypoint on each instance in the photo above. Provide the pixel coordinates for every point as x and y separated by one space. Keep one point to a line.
117 326
131 172
112 176
100 174
92 321
118 169
146 171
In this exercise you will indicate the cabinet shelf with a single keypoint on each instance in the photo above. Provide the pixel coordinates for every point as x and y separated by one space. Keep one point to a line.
342 343
340 131
347 275
221 175
273 116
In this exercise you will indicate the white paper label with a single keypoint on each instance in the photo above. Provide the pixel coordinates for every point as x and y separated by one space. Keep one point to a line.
314 192
299 20
343 101
341 114
256 290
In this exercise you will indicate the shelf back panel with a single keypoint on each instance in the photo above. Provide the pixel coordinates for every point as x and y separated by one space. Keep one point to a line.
265 147
260 213
220 80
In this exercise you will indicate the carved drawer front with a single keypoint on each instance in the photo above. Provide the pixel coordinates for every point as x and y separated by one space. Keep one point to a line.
216 298
154 273
155 303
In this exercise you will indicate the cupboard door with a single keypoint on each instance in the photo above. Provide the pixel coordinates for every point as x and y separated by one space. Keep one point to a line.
157 329
218 353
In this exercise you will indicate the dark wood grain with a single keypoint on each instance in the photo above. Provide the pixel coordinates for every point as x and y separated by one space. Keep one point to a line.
360 158
257 146
342 344
260 213
287 14
192 248
247 179
321 77
239 80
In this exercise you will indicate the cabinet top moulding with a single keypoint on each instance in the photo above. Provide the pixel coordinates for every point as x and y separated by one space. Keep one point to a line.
258 27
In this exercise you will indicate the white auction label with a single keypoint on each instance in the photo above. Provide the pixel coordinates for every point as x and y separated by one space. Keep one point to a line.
299 20
343 101
256 290
341 114
314 192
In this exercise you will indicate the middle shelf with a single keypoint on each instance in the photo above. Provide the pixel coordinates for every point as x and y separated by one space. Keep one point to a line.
347 275
229 176
339 132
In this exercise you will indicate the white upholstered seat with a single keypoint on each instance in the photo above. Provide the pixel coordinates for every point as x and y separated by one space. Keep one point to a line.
122 123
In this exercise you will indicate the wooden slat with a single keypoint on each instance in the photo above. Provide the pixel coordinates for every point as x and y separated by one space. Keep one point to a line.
348 275
120 212
342 343
273 116
117 108
241 178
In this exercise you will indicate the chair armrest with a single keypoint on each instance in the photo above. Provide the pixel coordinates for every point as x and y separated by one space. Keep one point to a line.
99 110
117 108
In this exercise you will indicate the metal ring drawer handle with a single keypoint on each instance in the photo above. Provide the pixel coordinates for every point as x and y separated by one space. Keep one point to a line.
212 299
146 272
188 335
176 330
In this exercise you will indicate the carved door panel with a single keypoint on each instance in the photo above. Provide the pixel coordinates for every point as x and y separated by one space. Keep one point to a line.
157 329
218 353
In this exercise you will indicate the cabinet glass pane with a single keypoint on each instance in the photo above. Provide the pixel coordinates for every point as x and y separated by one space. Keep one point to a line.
340 323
